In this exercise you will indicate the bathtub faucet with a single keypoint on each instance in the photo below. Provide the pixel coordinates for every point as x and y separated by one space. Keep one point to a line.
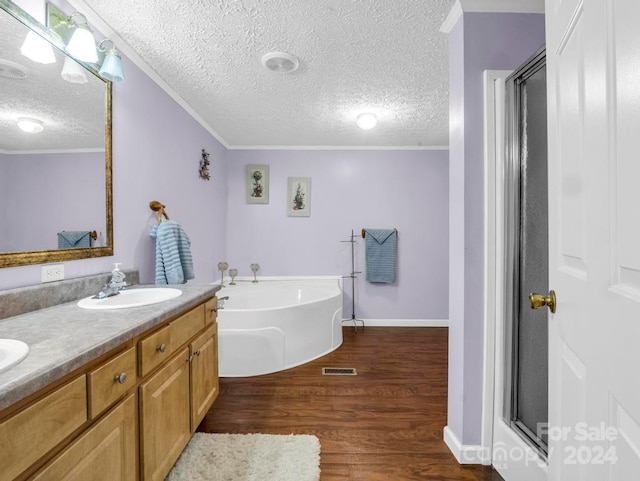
221 302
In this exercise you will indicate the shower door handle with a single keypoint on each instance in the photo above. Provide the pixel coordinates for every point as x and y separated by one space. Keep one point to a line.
538 300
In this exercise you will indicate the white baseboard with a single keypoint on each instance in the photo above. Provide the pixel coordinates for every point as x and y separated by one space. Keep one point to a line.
401 322
469 454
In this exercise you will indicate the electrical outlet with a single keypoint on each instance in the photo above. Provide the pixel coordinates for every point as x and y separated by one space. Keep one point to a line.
53 272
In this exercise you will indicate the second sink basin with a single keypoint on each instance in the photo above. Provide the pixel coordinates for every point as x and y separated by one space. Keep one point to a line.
11 353
131 298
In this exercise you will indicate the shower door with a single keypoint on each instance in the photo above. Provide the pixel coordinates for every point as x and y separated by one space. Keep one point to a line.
526 393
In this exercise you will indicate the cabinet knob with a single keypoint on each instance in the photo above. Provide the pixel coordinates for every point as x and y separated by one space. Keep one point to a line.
161 348
120 378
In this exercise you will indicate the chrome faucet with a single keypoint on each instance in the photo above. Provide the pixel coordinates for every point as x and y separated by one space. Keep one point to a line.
221 302
115 285
107 291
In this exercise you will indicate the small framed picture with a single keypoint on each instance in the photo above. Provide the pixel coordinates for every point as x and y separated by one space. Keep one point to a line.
299 196
257 184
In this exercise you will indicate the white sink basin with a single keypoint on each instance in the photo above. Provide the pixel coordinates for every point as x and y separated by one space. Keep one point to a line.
131 298
11 353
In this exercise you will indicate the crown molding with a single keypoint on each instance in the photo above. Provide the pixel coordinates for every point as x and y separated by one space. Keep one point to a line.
489 6
337 147
130 53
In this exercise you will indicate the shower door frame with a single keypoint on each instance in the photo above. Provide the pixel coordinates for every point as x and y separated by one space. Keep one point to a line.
513 246
497 437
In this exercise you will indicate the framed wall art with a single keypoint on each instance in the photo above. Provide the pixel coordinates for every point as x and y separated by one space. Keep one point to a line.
257 184
299 196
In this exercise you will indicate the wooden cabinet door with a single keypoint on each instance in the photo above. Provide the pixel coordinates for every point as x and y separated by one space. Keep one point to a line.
164 417
106 452
204 374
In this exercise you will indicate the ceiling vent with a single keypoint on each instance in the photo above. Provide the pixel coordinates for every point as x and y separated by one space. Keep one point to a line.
13 70
280 62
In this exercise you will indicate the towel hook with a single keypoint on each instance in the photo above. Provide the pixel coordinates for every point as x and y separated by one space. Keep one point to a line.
158 207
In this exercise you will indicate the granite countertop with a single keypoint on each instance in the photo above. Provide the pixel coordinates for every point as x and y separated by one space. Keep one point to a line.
65 337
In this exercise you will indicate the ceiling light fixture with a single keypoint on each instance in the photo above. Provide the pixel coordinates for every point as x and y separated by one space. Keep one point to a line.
30 125
281 62
82 45
367 121
112 65
37 49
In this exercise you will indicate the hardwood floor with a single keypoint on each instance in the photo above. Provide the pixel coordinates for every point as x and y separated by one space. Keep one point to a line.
383 424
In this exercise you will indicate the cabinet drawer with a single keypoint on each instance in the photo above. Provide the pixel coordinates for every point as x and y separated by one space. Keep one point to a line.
30 434
186 326
111 381
106 451
154 350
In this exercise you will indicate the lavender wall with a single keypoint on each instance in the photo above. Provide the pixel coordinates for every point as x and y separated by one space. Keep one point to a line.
480 41
156 153
44 194
407 190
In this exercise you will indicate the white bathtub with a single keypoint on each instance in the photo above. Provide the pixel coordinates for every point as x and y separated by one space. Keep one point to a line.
277 324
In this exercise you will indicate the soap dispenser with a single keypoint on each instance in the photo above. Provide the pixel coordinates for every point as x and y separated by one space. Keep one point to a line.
117 277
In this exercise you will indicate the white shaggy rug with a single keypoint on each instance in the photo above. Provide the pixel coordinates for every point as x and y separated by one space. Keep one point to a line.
249 457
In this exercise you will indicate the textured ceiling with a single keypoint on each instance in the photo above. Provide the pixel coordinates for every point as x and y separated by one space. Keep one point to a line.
381 56
73 114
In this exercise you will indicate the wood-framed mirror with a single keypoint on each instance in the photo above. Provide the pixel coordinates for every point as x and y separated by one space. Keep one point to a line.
55 185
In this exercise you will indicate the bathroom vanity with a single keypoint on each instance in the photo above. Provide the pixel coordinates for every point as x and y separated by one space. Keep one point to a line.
113 394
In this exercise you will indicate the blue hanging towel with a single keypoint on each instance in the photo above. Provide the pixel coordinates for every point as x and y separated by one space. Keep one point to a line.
74 239
381 254
174 264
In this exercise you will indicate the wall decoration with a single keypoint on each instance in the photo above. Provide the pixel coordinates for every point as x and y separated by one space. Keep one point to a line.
299 196
204 166
257 184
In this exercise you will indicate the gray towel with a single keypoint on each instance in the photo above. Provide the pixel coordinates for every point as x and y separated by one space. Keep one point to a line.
381 253
74 239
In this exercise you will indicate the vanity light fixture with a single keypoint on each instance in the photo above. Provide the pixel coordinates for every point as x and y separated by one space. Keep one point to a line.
367 121
82 44
37 49
112 65
73 72
30 125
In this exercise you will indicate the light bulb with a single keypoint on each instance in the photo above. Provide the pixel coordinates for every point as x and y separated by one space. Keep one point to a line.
73 72
37 49
30 125
112 66
82 45
367 121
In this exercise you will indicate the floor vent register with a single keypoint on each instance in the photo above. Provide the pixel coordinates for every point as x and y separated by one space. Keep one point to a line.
339 371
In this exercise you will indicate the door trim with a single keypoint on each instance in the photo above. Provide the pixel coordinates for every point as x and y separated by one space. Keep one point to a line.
494 112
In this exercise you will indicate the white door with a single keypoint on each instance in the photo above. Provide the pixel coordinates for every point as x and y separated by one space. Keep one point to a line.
593 67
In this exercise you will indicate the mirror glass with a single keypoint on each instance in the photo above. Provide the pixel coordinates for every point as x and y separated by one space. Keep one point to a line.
55 185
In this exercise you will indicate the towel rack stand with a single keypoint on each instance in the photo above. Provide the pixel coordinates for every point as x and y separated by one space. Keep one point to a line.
353 278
